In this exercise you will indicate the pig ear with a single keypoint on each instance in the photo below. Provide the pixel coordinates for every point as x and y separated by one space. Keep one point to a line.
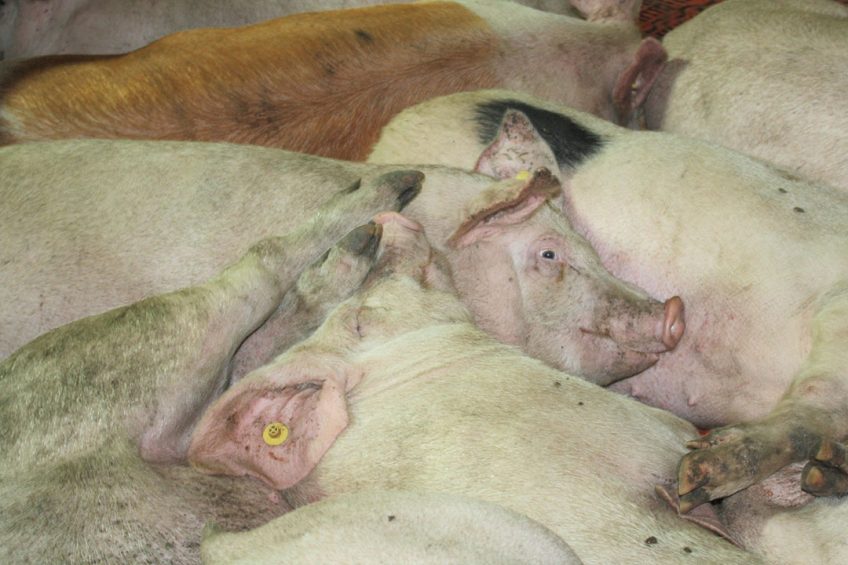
635 82
517 147
504 203
274 425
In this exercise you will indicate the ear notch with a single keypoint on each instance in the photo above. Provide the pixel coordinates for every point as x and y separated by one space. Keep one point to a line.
517 147
505 203
274 425
635 82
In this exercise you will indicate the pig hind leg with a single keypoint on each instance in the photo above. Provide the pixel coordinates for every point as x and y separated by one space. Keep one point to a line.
804 424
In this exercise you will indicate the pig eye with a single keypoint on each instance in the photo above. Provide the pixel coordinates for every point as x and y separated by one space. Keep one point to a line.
548 254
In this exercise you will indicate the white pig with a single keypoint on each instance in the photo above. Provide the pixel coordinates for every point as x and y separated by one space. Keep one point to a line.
760 257
399 390
96 414
392 527
124 220
765 77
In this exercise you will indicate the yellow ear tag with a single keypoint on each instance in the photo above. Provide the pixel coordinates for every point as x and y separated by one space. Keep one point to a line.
522 175
275 433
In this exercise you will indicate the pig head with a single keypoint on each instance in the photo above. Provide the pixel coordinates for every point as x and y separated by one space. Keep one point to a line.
532 281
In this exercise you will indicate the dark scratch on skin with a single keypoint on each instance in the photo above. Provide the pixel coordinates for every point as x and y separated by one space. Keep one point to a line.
364 36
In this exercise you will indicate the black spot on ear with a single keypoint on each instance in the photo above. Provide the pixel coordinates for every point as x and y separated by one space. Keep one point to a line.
798 209
651 541
363 36
781 190
570 142
391 518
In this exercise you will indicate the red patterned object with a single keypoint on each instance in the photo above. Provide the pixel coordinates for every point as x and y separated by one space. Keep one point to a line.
658 17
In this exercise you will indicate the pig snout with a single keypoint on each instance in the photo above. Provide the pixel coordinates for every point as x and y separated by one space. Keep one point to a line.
656 328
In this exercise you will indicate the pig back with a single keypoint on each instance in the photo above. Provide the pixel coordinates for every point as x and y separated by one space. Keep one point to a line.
479 419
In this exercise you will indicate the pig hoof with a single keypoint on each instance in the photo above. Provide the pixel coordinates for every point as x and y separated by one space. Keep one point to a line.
833 454
827 474
725 461
818 479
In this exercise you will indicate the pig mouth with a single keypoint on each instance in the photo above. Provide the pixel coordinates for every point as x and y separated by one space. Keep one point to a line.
606 360
651 351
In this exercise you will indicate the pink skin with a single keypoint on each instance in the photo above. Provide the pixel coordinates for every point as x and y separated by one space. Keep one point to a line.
531 281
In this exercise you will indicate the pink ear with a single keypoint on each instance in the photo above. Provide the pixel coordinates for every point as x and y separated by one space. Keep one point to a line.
635 82
504 203
517 147
239 434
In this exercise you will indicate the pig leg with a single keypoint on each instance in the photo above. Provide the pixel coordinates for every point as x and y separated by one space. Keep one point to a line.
814 410
827 473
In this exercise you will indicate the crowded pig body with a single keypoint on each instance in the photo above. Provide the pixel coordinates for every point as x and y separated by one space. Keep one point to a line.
162 215
765 77
758 255
392 527
399 390
97 414
325 83
53 27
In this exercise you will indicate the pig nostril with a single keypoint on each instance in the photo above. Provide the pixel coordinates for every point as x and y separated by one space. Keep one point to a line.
673 323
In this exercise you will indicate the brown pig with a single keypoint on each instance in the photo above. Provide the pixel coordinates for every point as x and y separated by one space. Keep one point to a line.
96 414
326 82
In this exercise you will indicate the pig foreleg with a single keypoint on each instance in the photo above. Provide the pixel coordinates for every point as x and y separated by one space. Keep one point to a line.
803 425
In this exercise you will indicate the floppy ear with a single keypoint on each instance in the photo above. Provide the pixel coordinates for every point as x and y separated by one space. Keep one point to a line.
276 423
517 147
504 203
635 82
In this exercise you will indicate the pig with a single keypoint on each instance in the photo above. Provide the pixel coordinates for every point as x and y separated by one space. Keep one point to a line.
391 527
765 77
96 414
325 83
128 219
399 390
53 27
758 255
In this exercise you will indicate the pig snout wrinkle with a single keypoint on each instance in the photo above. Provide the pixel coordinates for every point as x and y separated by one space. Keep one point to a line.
673 322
